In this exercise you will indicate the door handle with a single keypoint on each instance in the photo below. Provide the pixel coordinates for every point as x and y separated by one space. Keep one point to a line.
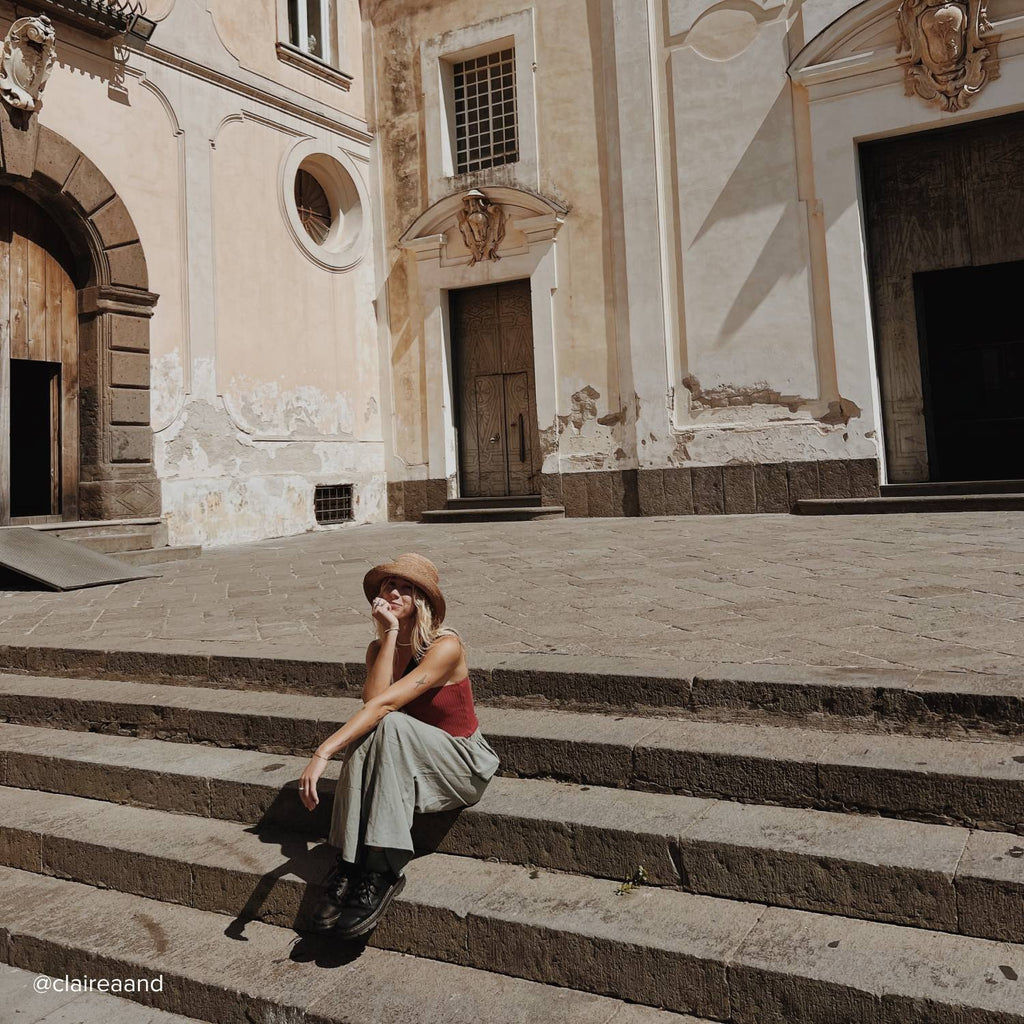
494 439
522 440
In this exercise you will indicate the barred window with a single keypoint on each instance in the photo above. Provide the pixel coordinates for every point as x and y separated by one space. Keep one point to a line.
486 128
332 503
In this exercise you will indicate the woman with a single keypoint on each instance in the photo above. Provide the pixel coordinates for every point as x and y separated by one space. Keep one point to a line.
415 745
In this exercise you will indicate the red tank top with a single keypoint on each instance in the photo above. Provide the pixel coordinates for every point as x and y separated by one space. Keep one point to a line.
448 707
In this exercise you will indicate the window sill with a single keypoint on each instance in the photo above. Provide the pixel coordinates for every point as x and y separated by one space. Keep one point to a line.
313 66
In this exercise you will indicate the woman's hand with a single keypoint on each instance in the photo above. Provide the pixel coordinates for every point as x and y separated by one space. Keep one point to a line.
307 782
382 613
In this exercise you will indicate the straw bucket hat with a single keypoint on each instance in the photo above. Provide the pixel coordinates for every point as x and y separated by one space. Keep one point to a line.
417 570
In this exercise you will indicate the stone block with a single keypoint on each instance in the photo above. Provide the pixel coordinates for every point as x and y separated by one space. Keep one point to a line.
990 886
708 490
128 266
129 405
551 488
803 481
599 494
87 186
678 486
415 500
651 492
771 488
625 499
437 495
120 499
129 369
834 478
131 444
114 224
19 141
129 332
55 158
738 489
574 494
863 478
396 500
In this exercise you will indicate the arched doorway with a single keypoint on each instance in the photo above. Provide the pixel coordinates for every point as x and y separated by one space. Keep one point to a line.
40 301
80 422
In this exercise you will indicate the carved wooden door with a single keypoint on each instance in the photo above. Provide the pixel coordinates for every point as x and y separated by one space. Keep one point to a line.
38 365
937 201
499 449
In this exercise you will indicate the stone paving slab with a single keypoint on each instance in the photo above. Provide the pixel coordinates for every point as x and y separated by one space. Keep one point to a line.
925 592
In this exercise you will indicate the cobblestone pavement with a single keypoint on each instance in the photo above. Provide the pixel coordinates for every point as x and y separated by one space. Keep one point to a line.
940 592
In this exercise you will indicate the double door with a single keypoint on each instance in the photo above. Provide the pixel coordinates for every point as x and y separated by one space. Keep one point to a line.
499 449
38 365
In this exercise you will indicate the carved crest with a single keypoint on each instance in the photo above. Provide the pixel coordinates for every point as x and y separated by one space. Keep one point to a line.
28 58
947 59
482 224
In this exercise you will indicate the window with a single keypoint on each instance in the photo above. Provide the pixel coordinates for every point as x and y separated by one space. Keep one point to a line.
311 27
486 123
313 206
332 503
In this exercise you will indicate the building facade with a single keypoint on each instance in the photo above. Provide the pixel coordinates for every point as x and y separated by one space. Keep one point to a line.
188 321
291 262
723 234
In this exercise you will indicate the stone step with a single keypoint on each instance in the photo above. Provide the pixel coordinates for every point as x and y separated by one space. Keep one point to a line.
155 529
31 998
730 961
117 543
910 504
950 781
926 876
154 556
493 514
911 700
251 971
508 501
953 487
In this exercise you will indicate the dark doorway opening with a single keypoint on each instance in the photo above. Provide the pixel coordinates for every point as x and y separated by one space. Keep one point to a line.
972 369
35 438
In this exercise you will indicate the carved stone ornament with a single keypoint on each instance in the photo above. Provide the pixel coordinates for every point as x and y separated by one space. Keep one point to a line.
28 58
947 60
482 224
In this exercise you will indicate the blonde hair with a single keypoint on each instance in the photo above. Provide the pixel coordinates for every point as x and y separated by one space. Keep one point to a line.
424 632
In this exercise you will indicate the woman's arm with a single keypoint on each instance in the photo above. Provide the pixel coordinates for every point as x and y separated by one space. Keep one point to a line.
435 670
380 661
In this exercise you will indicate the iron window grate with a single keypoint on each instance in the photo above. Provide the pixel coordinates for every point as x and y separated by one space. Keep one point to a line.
486 124
332 503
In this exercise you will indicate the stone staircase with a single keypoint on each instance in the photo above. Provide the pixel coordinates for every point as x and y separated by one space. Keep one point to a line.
512 509
949 496
136 541
819 848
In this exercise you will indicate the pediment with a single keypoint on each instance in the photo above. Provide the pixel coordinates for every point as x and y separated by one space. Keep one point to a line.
529 218
864 38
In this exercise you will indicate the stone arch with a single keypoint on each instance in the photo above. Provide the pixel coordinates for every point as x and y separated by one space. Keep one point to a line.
117 478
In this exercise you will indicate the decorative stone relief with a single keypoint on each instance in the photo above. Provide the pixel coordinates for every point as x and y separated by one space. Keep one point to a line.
947 61
28 58
482 224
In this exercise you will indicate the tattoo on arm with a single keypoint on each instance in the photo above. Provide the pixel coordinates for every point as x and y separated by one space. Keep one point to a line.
421 682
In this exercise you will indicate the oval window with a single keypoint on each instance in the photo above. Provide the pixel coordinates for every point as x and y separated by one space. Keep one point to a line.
314 207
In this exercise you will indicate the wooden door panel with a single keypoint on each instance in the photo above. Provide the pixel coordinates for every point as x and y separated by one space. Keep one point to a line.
517 416
995 156
39 315
492 455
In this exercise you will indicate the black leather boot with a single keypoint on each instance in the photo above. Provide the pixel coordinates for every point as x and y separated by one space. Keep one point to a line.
335 885
364 904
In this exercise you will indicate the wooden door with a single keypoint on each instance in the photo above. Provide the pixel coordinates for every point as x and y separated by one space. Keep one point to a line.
39 358
935 202
496 416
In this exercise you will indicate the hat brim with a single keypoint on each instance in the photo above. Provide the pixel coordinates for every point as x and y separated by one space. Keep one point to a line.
379 573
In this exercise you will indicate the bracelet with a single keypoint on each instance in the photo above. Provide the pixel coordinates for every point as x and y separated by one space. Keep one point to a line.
321 756
393 629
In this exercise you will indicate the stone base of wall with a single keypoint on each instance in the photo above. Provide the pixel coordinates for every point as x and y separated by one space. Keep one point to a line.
699 490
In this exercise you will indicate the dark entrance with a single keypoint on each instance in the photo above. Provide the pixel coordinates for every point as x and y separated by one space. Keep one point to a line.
973 373
496 413
944 212
35 438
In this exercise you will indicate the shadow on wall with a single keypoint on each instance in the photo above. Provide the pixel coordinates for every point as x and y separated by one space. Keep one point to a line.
760 180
